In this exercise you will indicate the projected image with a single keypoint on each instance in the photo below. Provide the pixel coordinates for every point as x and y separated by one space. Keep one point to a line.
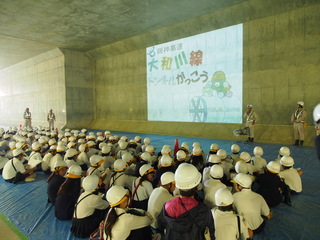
197 79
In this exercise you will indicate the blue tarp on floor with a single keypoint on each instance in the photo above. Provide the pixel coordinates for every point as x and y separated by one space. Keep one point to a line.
26 206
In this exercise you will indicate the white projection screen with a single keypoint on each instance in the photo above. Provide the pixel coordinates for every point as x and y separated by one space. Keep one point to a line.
197 79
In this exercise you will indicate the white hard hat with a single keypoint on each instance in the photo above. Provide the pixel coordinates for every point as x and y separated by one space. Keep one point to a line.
84 130
119 165
150 149
81 141
91 144
71 153
36 146
145 156
52 141
20 145
53 147
107 133
60 164
74 171
287 161
181 155
187 176
273 167
82 147
213 158
249 106
196 151
17 152
71 145
284 151
123 145
90 183
222 154
6 136
245 156
146 141
137 138
61 148
216 171
95 160
124 138
243 180
196 144
72 139
214 147
258 151
316 113
166 178
106 149
241 167
127 157
146 169
185 145
300 103
12 145
235 148
116 194
165 150
102 144
165 161
223 197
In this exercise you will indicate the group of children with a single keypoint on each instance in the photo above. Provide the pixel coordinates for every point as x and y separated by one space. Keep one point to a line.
142 193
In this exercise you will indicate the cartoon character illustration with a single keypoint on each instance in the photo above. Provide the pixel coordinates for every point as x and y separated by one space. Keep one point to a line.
219 84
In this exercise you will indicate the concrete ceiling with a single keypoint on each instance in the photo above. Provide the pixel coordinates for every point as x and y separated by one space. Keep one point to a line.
31 27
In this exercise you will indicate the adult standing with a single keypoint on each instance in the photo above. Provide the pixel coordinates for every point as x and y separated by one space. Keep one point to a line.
251 118
27 118
316 117
298 119
51 117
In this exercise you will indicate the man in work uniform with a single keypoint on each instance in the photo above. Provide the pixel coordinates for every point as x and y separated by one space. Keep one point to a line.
250 118
298 119
27 118
51 118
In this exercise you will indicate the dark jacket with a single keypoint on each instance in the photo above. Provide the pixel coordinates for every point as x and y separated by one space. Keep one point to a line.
189 226
53 187
271 188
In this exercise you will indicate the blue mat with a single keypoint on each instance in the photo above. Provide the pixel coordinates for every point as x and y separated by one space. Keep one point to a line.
26 206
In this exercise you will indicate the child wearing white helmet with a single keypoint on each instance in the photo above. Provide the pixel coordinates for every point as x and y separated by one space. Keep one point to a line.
290 175
211 185
249 204
122 222
184 217
119 177
161 195
142 187
68 193
55 180
197 159
96 161
234 156
166 165
228 224
89 210
14 170
257 160
271 188
82 158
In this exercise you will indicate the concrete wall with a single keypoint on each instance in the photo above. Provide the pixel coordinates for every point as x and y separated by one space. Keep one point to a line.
80 103
281 67
57 79
38 83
